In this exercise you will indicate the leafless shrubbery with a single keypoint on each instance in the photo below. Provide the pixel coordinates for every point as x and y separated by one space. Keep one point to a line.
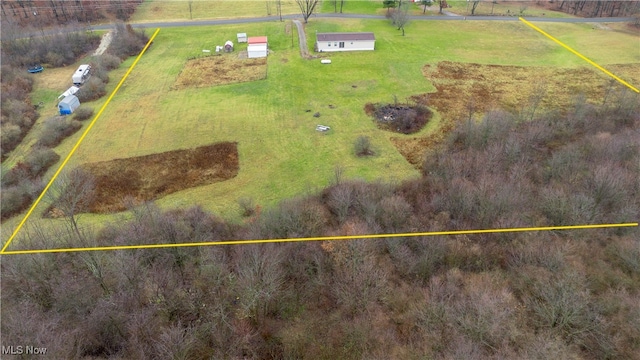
57 129
82 113
56 50
93 89
127 41
362 146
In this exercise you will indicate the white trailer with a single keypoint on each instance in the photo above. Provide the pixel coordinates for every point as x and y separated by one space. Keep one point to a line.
81 75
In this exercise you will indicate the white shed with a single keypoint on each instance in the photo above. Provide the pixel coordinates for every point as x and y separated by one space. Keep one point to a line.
242 37
70 91
345 41
257 47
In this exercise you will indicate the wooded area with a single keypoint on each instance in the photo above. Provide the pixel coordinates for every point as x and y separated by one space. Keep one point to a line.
599 8
49 12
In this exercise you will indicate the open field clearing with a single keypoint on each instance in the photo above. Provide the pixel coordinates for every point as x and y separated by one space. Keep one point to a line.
280 153
154 10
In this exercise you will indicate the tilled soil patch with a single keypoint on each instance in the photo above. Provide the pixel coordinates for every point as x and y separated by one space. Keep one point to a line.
153 176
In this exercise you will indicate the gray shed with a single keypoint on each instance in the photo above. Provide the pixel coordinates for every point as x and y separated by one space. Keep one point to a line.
242 37
68 105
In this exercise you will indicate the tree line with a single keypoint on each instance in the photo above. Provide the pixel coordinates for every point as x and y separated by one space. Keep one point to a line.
58 12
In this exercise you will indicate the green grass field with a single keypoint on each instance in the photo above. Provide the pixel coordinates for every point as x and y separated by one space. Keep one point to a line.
151 10
281 154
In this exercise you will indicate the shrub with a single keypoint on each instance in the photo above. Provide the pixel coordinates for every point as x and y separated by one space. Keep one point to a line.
14 200
39 160
93 89
82 113
362 146
10 136
17 198
57 129
394 213
127 42
247 206
107 61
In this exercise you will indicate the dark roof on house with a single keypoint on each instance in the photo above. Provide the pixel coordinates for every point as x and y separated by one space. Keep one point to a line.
345 36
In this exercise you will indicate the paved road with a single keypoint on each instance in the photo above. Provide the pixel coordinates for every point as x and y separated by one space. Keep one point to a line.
451 17
362 16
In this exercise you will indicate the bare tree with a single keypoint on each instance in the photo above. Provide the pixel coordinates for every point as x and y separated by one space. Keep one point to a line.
279 8
474 5
425 3
400 16
307 7
443 4
73 194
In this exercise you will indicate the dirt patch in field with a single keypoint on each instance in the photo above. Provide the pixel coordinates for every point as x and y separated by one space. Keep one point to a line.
153 176
220 70
470 90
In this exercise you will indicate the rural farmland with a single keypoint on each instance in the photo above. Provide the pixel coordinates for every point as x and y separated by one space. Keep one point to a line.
280 153
163 227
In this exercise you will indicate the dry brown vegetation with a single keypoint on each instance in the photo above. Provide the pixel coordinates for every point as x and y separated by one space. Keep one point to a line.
538 295
149 177
466 91
220 70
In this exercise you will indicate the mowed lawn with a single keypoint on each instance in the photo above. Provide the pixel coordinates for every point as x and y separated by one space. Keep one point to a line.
281 154
155 10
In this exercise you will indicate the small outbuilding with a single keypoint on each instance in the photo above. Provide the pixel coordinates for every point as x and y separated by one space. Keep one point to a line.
257 47
228 46
68 105
242 37
70 91
345 41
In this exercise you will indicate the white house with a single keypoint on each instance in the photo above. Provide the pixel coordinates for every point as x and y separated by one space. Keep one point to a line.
345 41
242 37
257 47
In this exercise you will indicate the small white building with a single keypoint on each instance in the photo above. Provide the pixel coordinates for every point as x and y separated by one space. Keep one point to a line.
242 37
70 91
257 47
326 42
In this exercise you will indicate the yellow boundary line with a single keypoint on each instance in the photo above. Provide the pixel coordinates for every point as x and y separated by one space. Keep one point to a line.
264 241
75 147
322 238
580 55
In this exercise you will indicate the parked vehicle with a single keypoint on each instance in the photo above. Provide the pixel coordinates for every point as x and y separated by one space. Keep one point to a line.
81 75
35 69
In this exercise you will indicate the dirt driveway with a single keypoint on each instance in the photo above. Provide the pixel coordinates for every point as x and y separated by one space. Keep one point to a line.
304 50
